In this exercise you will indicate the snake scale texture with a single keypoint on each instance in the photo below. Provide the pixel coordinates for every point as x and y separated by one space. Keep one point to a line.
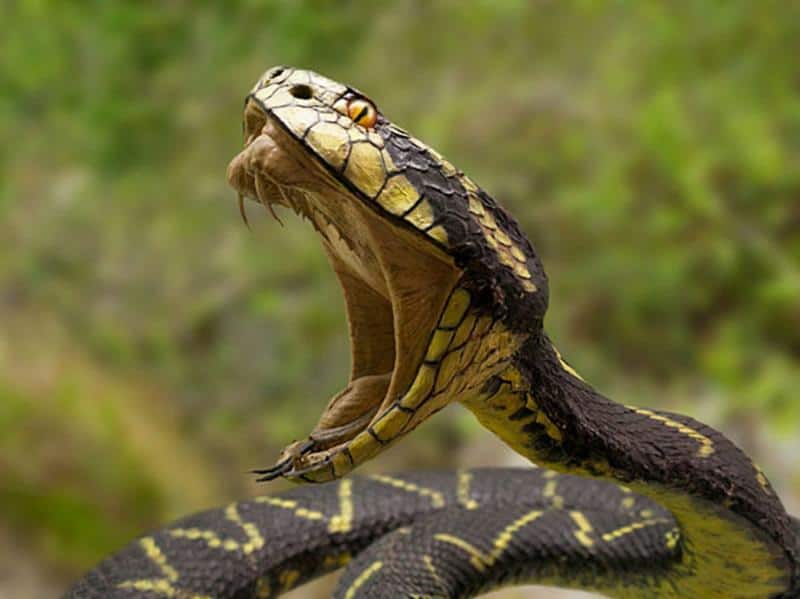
446 300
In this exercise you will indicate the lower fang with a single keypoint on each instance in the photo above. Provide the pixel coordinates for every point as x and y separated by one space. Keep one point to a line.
243 210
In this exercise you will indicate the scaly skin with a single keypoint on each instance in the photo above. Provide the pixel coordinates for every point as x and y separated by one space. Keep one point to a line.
446 300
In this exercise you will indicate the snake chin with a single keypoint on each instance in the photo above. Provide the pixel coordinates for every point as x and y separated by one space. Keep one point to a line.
391 280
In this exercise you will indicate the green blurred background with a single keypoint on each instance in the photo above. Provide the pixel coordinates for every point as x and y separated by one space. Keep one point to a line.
153 350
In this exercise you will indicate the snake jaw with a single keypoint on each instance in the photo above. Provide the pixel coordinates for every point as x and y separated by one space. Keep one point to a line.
394 284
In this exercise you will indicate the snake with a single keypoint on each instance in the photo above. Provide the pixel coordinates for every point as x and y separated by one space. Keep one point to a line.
446 299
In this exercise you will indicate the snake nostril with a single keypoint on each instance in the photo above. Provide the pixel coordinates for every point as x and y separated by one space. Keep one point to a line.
301 92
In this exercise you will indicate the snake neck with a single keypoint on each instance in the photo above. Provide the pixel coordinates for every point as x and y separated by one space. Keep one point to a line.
544 410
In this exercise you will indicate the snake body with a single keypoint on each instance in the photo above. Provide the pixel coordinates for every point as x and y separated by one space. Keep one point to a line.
446 300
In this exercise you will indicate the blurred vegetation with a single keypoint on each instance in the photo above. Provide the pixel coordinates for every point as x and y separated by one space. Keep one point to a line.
152 350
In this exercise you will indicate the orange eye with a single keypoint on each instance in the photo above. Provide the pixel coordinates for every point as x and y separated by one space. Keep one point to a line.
362 112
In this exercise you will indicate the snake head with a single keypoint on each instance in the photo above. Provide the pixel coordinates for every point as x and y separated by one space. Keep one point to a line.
432 270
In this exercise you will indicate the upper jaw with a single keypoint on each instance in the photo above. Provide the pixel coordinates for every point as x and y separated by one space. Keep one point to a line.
269 167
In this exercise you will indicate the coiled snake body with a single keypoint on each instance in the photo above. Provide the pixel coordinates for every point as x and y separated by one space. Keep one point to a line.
446 301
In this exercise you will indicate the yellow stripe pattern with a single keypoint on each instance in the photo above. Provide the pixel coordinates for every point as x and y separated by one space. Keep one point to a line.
156 556
550 490
160 586
289 504
706 445
584 529
437 498
464 497
624 530
343 521
212 539
362 578
481 560
434 572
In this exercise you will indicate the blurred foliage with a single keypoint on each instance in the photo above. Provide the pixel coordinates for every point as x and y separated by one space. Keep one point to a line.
153 350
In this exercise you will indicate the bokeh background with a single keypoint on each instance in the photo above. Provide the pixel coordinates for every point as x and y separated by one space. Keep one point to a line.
153 350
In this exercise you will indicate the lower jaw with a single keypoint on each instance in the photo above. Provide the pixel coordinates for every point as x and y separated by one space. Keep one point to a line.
351 411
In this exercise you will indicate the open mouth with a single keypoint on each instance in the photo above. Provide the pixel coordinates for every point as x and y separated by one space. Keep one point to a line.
395 284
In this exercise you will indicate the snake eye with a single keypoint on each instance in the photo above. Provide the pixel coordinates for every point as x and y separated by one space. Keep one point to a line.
362 112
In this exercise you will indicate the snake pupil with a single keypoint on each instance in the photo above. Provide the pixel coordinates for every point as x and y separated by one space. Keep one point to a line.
361 114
